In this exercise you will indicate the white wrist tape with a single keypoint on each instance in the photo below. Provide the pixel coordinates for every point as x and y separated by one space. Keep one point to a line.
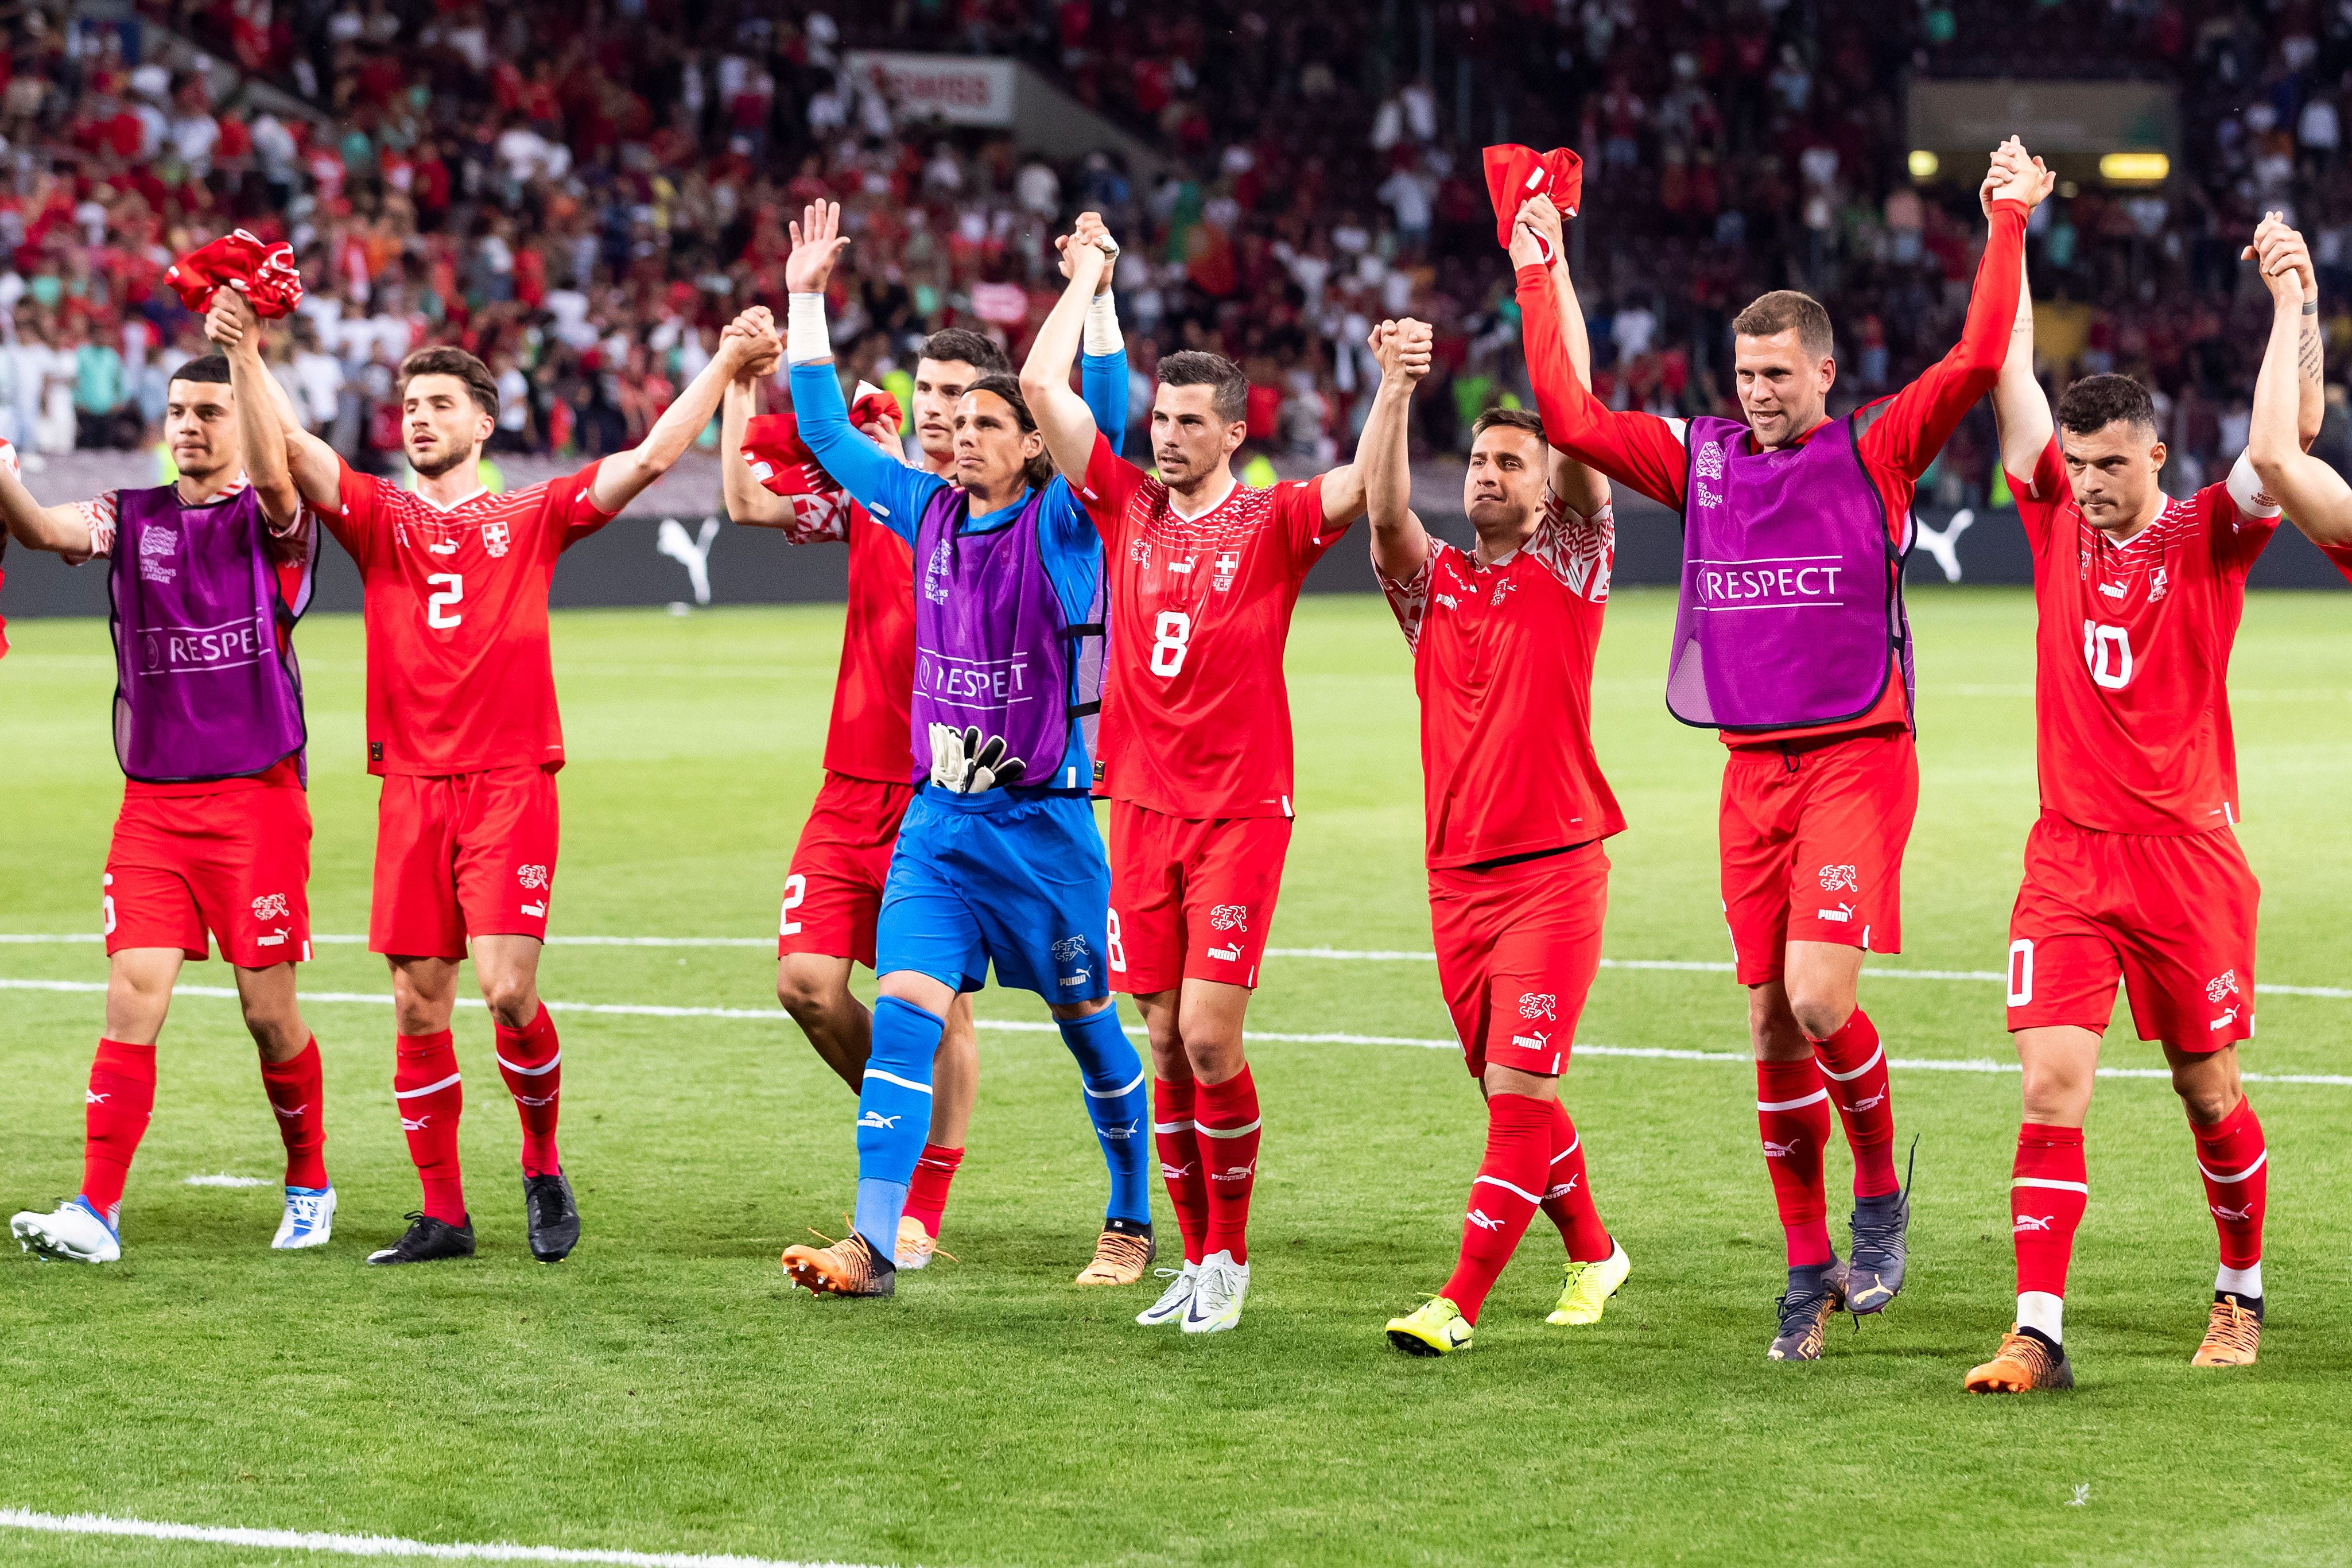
1102 325
805 337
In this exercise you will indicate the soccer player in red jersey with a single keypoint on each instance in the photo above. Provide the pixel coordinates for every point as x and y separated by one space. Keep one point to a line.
1813 817
463 731
833 892
1200 575
2133 872
1503 638
214 830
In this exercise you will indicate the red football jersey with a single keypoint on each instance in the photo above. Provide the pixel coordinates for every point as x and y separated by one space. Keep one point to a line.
2340 557
1195 716
459 677
1503 664
870 736
2131 700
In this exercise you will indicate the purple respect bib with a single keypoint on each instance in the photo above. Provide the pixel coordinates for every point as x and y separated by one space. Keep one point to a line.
1791 608
993 651
205 686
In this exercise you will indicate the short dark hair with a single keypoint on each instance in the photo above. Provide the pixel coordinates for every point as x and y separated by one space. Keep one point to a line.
1197 367
443 360
951 345
1525 419
1006 385
212 368
1783 308
2097 402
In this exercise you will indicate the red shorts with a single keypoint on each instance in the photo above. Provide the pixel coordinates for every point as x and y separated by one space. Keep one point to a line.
237 863
1190 900
1812 840
2171 916
1518 947
461 854
833 893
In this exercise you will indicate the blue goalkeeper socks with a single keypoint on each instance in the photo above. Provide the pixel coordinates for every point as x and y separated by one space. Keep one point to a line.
894 1115
1113 1078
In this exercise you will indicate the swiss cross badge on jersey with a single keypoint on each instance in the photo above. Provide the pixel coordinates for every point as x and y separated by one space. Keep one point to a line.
1229 565
495 537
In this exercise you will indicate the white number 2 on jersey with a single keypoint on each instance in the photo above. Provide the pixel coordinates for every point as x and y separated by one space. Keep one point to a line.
452 589
2107 650
1169 637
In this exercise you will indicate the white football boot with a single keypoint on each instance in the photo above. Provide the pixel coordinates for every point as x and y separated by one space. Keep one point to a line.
1217 1297
309 1219
1172 1301
73 1234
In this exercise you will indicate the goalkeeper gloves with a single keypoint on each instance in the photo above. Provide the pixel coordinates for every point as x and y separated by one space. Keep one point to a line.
963 761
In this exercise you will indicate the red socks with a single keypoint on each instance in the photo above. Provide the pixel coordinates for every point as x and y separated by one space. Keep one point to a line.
297 1090
1226 1126
1503 1198
1180 1162
2047 1191
2235 1164
1567 1196
1854 1063
926 1195
531 1061
1792 1111
121 1098
424 1084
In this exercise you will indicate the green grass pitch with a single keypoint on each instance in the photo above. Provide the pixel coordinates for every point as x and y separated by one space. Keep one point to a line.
663 1391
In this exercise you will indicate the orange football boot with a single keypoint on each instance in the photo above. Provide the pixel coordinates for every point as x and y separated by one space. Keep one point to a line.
2024 1361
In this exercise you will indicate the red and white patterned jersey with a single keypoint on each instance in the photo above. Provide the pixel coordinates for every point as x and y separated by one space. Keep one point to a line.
459 677
1196 718
1503 664
2131 700
870 736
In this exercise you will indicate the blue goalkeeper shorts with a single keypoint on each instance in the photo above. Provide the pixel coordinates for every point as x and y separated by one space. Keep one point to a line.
1021 881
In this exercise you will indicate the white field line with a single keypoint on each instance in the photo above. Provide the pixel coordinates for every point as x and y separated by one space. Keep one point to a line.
224 1180
1035 1026
372 1545
1342 954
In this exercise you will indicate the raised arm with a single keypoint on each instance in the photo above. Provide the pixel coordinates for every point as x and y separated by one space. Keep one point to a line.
1639 450
748 501
2315 496
1400 543
2276 246
1062 414
893 492
620 478
2021 408
1918 420
316 470
260 438
1575 483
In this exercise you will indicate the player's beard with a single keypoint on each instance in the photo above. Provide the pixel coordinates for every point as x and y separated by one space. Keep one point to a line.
460 458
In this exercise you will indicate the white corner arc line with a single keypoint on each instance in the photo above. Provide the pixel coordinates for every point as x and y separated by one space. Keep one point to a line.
376 1545
1035 1026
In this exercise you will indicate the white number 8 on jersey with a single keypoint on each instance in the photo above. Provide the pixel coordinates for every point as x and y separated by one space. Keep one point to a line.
1169 637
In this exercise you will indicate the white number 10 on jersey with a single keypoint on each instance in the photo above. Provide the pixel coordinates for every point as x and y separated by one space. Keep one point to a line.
1170 636
2107 650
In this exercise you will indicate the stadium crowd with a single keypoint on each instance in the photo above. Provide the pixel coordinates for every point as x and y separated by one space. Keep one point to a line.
587 215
